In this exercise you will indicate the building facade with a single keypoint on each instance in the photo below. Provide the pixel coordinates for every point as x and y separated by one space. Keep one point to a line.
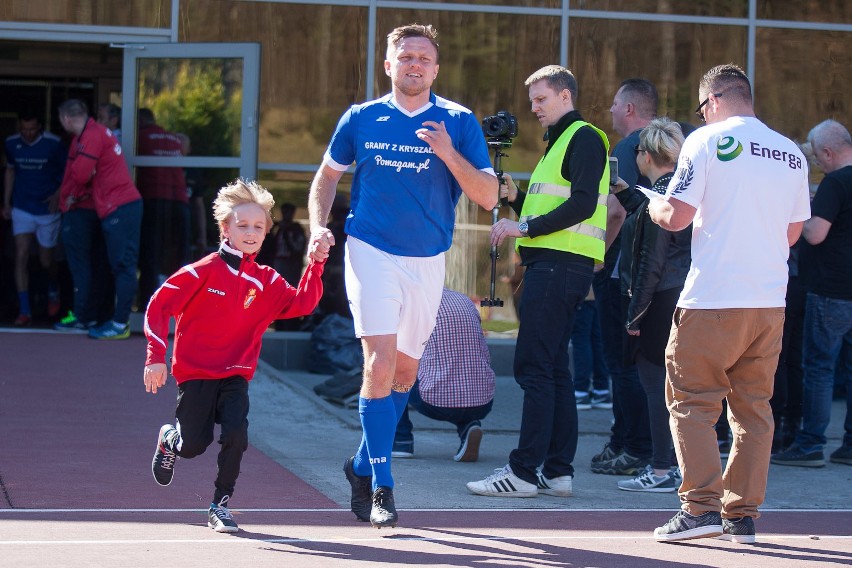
269 113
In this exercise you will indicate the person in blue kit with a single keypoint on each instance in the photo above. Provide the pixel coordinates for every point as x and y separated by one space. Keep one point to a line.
415 153
35 162
560 234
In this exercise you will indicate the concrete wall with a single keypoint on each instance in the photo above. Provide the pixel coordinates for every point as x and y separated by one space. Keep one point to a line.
291 350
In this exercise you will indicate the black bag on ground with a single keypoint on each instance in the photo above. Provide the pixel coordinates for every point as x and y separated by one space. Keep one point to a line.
334 346
342 388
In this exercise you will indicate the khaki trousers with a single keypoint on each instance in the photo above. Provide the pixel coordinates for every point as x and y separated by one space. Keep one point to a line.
713 355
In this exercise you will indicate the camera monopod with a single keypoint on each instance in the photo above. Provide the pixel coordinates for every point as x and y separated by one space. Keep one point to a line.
497 145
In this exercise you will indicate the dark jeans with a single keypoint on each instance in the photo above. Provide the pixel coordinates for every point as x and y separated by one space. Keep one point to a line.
630 430
587 348
552 294
460 417
828 326
786 401
653 379
121 231
201 404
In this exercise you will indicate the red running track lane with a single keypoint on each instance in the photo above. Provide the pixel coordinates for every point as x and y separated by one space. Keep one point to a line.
78 430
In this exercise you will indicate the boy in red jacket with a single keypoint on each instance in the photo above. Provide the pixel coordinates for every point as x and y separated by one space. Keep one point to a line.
222 304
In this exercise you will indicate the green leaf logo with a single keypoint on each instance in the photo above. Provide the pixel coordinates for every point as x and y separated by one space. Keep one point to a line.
728 148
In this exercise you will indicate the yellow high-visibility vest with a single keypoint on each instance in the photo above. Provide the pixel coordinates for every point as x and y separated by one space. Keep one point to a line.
548 190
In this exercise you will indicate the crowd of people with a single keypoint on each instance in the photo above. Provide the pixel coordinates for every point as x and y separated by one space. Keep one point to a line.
706 322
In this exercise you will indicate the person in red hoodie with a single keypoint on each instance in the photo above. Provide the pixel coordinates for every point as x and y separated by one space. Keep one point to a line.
96 170
222 304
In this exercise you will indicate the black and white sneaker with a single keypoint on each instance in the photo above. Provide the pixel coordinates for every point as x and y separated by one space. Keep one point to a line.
558 486
219 517
503 483
469 448
163 465
383 512
684 526
361 500
738 530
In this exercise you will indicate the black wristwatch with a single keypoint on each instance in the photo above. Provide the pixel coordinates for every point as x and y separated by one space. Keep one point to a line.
523 228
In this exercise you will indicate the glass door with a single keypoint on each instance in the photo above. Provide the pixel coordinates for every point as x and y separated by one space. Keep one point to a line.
189 125
205 92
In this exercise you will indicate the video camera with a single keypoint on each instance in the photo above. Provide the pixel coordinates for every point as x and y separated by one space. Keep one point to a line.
500 128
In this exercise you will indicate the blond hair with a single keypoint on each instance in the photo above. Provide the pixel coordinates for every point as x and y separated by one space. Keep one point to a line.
241 192
662 139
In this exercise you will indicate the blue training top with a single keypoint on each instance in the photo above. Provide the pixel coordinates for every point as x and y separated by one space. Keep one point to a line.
39 168
403 196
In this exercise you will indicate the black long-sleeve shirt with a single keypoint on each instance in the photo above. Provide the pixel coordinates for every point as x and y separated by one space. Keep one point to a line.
583 165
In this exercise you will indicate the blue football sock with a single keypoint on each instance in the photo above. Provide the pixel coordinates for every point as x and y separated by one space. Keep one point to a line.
400 401
361 463
378 419
24 302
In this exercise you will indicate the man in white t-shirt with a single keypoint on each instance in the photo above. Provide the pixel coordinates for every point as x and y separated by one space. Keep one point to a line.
745 189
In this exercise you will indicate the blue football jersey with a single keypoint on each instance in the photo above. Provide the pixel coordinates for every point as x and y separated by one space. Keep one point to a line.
39 168
403 196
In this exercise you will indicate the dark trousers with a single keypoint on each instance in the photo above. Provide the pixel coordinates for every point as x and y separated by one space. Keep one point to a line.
587 348
630 430
786 401
460 417
552 293
121 231
85 251
203 403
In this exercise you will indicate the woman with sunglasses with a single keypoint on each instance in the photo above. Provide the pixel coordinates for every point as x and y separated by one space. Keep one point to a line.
655 264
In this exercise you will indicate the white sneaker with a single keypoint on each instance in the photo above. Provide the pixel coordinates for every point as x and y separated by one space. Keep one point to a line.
649 482
503 483
558 486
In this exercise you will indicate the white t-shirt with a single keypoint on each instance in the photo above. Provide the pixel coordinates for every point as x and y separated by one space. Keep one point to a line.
748 183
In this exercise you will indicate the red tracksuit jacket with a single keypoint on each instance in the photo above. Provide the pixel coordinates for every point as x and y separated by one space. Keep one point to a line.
222 304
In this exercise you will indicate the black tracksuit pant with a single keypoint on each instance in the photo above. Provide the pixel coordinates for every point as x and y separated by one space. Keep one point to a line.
203 403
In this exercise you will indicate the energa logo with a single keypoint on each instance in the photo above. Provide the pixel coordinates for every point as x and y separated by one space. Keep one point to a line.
728 148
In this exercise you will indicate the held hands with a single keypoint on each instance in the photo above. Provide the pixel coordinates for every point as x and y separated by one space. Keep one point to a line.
502 229
155 377
508 189
320 244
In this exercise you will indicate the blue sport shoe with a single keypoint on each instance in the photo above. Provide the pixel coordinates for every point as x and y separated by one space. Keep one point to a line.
110 330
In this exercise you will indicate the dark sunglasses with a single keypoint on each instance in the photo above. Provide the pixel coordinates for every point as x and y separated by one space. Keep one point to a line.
699 112
637 148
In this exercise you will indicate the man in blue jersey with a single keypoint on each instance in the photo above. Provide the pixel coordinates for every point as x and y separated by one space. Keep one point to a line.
415 153
35 165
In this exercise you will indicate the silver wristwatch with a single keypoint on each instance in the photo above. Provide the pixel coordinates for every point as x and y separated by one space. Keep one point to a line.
523 228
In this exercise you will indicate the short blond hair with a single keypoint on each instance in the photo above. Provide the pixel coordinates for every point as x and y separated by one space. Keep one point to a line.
240 192
662 138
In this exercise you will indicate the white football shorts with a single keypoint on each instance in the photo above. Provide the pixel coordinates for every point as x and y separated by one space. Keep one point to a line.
390 294
45 227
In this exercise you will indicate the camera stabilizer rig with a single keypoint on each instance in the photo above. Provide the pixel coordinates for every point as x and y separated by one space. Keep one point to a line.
499 131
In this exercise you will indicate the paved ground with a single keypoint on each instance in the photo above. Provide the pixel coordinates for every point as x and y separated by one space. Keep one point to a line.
78 432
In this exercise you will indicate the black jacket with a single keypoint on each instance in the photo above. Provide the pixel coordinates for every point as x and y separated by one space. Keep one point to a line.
652 259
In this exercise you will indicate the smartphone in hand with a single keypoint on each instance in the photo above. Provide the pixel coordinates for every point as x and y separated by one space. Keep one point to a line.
613 170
